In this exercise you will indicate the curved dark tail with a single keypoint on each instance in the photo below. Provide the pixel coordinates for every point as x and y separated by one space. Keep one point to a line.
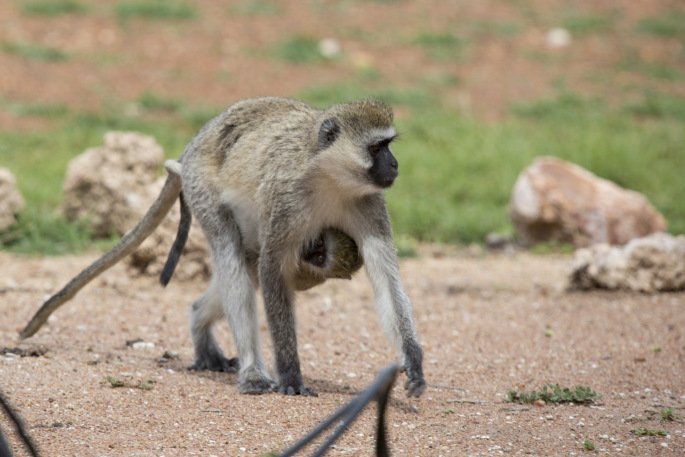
179 242
154 216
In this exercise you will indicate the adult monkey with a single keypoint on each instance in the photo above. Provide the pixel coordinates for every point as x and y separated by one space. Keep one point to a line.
266 178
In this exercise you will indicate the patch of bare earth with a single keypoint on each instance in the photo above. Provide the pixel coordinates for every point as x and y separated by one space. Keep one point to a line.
488 324
224 55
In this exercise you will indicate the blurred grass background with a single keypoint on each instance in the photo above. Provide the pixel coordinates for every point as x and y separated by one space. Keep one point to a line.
623 120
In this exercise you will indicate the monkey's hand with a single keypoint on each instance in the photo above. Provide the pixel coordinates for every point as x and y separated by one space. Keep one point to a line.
413 366
415 384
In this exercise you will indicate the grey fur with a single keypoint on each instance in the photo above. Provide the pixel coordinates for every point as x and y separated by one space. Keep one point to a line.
288 173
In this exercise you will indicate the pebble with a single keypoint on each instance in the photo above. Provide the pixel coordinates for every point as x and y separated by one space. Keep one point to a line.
558 38
329 48
139 345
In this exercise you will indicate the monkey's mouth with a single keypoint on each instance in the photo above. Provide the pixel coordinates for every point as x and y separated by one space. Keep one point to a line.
385 182
384 178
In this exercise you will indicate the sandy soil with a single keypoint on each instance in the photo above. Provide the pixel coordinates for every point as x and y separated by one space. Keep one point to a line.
488 324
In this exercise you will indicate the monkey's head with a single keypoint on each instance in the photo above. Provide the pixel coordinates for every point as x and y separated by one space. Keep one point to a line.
353 146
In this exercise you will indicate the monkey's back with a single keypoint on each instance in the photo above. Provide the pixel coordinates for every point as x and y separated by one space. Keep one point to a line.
245 156
254 141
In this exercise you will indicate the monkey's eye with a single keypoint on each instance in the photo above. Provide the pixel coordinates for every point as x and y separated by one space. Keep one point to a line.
374 149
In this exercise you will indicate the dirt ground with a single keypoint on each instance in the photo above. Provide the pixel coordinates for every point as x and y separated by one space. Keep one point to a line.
223 55
488 324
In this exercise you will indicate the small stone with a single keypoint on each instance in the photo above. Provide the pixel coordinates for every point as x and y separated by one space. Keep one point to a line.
558 38
329 48
142 345
11 201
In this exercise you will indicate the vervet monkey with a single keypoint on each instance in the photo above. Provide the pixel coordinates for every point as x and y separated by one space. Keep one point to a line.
266 179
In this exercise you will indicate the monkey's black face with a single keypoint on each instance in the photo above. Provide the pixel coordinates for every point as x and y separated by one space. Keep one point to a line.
315 252
385 167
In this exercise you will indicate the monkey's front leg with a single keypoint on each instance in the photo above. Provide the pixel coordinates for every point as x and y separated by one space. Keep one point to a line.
278 301
394 307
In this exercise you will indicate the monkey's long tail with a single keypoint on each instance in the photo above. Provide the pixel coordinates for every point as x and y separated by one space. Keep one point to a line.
130 241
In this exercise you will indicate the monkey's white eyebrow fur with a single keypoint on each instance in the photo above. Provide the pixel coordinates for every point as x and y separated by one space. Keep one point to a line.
382 134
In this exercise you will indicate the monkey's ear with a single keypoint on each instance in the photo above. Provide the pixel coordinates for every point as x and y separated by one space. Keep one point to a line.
328 133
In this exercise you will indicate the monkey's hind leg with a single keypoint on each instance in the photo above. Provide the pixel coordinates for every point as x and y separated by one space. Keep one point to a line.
237 294
208 356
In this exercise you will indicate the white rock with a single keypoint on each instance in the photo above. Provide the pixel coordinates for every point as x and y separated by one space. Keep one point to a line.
101 183
329 48
114 185
143 345
557 38
11 201
650 264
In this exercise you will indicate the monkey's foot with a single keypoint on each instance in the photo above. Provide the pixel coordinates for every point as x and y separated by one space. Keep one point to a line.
290 383
255 382
415 386
216 362
297 390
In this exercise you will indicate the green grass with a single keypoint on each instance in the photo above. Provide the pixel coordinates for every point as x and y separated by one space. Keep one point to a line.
40 231
552 248
442 46
656 70
298 50
667 415
156 9
588 445
114 382
667 25
456 173
30 51
153 102
257 7
40 110
52 7
581 25
494 29
642 431
553 393
658 106
562 106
